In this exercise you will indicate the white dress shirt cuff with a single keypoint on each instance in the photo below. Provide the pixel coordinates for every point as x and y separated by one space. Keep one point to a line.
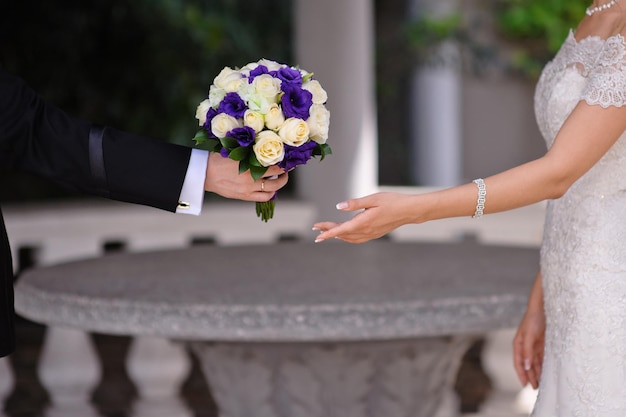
192 193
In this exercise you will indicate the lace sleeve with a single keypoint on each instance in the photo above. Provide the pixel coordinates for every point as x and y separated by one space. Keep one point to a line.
607 79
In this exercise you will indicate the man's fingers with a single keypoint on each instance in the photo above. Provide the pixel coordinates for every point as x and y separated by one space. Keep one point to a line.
274 170
274 183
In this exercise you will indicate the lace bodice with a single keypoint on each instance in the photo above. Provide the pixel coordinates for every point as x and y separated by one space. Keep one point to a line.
600 66
593 70
583 255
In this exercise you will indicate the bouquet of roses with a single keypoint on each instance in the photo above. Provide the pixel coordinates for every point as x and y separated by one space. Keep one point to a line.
265 114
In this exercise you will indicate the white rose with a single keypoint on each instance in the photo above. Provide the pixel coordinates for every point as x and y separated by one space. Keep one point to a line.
216 95
319 123
268 148
274 118
315 88
271 65
229 80
201 112
245 70
222 124
267 86
254 119
294 131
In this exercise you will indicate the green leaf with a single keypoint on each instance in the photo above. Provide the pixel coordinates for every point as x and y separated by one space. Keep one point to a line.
210 144
257 172
326 150
201 137
213 145
243 166
229 143
307 77
252 160
239 154
322 150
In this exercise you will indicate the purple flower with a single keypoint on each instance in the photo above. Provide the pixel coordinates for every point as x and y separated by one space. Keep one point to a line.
289 76
210 115
224 152
296 101
243 135
260 70
232 105
297 155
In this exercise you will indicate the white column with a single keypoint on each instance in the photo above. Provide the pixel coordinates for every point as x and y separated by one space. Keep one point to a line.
437 107
334 39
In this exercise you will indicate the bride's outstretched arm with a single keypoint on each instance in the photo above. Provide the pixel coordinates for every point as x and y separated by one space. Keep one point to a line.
585 137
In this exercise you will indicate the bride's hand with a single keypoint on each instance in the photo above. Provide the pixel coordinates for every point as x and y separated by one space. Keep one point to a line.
381 213
528 348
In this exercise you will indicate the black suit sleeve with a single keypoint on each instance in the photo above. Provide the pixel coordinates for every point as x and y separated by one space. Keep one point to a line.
38 137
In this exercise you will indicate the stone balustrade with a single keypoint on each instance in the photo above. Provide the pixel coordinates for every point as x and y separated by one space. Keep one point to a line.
58 232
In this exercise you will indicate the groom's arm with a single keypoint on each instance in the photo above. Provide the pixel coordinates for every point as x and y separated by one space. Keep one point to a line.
38 137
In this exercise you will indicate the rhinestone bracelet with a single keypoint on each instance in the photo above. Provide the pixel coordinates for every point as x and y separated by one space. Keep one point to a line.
482 197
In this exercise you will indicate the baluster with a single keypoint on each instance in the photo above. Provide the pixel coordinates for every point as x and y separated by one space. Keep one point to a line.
158 368
69 368
70 371
6 382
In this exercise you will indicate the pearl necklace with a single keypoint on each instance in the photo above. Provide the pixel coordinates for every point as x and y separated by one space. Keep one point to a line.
592 10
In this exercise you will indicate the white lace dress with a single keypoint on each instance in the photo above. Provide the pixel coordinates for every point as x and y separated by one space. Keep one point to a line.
583 256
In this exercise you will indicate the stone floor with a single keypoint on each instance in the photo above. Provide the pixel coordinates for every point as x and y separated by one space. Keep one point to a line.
114 396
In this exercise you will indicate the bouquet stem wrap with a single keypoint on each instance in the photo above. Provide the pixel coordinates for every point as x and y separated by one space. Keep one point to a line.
265 210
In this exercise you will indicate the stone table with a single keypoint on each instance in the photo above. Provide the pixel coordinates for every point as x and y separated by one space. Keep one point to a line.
296 329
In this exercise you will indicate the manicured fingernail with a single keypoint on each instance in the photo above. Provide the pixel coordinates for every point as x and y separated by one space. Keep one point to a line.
318 240
342 206
527 364
315 229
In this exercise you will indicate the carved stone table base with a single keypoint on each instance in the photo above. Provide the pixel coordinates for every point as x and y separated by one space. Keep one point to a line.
407 378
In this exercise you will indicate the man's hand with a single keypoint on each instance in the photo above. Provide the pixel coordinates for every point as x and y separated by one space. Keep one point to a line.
223 178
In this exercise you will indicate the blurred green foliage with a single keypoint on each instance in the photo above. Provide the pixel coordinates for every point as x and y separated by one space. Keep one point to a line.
546 20
428 30
537 28
532 29
138 65
427 33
